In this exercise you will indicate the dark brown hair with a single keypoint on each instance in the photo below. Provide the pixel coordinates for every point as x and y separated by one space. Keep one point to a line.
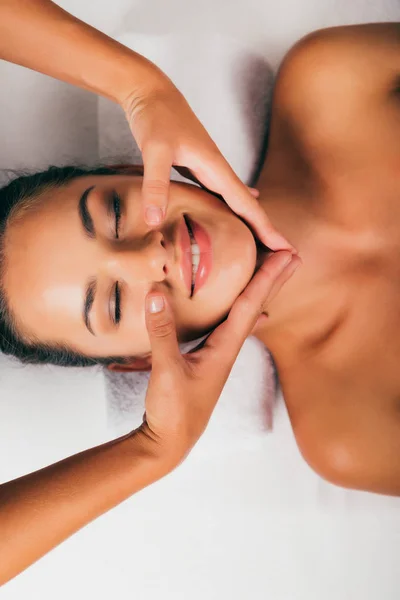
16 195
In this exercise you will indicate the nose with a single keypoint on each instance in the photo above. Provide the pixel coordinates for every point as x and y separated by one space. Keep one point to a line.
142 259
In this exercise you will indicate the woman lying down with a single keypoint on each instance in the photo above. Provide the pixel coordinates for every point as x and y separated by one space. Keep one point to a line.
74 243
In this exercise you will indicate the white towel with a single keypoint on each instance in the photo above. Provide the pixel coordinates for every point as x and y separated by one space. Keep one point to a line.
245 408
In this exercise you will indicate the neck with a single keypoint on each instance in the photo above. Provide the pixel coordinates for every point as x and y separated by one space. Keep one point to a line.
302 310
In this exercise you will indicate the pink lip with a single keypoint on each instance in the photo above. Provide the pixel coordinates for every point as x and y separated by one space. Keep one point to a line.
186 258
205 264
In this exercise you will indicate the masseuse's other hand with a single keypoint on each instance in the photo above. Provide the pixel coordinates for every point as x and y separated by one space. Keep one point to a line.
169 133
184 389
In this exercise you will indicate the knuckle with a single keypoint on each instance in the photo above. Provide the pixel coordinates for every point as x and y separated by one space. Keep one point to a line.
245 304
155 147
167 380
215 155
155 187
266 282
162 329
269 273
207 154
248 306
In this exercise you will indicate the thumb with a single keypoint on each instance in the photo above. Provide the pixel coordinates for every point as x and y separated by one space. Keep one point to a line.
157 170
160 325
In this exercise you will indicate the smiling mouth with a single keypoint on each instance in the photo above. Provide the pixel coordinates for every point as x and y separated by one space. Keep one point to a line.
195 254
200 255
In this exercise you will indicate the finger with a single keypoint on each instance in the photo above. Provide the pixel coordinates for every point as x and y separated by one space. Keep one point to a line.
219 177
185 172
247 206
229 337
254 192
259 323
157 169
160 325
284 277
277 286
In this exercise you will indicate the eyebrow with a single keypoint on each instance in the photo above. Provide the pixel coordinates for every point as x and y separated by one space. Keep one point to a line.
84 214
88 304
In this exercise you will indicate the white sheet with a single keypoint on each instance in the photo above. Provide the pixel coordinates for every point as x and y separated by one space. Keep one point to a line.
244 516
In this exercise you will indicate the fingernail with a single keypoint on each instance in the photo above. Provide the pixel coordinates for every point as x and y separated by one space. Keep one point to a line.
154 215
285 261
294 266
261 319
156 304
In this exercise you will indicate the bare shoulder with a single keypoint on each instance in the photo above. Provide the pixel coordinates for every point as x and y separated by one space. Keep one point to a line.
346 434
349 53
332 75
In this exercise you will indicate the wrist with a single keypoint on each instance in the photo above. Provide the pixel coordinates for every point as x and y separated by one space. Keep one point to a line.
159 458
137 75
163 456
149 86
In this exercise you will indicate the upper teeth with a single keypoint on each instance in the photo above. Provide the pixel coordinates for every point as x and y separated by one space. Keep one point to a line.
195 255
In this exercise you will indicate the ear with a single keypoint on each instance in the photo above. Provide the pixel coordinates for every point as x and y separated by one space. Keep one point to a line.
136 364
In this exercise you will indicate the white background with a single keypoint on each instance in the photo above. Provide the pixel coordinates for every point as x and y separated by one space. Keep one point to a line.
242 518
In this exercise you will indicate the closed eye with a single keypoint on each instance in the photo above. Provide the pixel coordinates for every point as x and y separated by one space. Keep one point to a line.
115 308
117 212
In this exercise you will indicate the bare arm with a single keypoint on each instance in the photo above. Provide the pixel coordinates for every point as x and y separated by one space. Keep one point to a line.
40 510
40 35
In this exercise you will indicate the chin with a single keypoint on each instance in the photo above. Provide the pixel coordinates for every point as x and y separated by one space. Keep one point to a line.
242 255
231 276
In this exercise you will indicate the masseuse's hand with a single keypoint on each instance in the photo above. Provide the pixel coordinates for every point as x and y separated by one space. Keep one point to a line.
169 133
43 37
184 389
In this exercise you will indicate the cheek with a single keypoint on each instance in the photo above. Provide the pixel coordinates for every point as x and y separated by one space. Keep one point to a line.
234 261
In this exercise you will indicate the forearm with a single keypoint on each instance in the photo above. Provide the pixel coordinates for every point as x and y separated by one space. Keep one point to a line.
40 510
40 35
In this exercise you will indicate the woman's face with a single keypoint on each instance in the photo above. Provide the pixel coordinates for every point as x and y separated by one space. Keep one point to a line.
81 261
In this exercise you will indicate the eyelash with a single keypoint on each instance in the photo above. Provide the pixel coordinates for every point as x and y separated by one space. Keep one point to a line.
117 299
117 212
115 209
